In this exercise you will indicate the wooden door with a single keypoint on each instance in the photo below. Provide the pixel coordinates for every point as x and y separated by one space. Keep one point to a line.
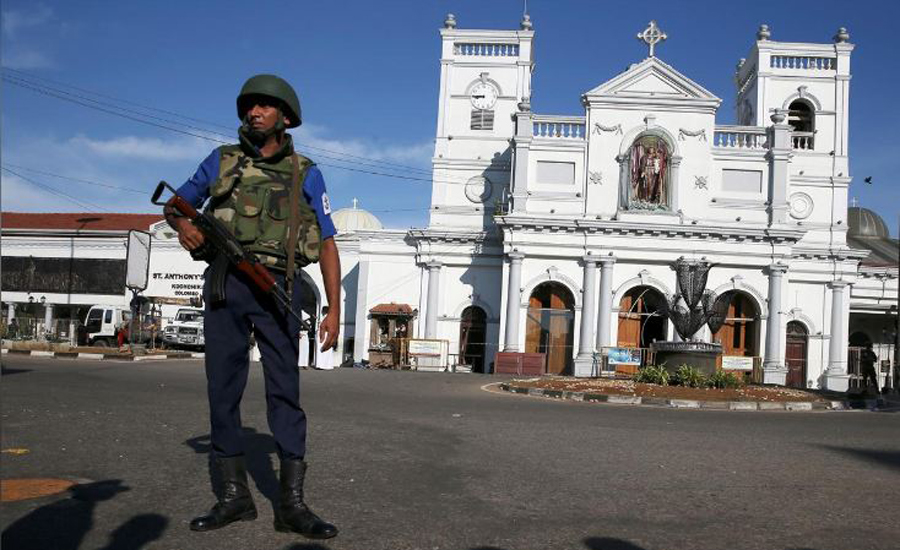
629 323
550 326
738 334
796 352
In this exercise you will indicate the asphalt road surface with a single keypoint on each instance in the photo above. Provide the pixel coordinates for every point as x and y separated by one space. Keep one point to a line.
428 461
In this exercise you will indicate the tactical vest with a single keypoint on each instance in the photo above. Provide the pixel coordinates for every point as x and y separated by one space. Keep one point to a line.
252 198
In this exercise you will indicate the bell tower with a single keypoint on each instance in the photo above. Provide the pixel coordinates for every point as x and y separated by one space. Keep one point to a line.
484 75
810 83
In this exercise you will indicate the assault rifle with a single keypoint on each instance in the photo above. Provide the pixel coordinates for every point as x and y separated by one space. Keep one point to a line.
220 245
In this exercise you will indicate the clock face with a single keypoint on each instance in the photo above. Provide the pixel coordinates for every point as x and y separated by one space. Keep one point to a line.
484 96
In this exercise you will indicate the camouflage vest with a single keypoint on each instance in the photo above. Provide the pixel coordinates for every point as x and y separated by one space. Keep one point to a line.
252 198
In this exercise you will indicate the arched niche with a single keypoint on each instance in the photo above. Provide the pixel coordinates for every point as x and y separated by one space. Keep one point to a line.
649 159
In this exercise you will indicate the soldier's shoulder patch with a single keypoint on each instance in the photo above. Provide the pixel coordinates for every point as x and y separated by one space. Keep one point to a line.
326 204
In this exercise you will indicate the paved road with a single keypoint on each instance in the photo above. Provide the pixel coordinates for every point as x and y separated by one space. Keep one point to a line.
424 461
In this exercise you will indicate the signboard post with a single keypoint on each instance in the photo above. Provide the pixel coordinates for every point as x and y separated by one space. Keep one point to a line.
137 271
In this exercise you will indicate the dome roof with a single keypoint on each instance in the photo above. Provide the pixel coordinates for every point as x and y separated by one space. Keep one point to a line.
862 222
348 220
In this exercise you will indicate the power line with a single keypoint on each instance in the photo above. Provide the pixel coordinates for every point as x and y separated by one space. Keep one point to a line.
80 180
83 204
25 80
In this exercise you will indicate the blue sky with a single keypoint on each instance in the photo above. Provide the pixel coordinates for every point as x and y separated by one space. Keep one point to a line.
367 75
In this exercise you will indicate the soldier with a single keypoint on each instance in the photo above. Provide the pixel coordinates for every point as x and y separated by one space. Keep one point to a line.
255 189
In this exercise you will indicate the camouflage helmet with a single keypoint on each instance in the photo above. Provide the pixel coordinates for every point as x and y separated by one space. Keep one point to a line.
275 87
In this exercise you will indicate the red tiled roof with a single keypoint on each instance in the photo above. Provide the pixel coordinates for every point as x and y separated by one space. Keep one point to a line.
78 220
393 309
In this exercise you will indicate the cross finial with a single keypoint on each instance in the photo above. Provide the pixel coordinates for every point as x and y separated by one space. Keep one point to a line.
651 36
355 203
854 202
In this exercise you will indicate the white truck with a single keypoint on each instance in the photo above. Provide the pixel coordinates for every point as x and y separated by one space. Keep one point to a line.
185 330
101 324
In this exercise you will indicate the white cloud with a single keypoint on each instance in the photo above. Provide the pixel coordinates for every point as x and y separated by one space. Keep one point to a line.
16 20
18 58
417 154
186 148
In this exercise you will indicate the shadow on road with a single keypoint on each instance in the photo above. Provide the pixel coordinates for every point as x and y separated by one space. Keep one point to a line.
63 524
891 459
6 371
259 448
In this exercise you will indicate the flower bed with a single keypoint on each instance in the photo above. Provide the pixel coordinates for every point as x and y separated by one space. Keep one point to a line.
630 388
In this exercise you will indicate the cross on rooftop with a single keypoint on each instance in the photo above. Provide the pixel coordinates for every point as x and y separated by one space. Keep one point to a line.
854 202
651 36
355 203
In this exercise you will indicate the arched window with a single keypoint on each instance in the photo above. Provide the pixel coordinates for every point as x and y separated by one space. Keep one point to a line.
801 117
648 164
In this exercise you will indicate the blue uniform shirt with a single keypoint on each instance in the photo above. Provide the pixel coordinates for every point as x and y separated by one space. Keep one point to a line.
196 190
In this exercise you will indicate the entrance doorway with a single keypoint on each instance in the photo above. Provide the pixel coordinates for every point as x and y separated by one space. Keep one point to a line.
472 337
796 353
550 328
738 334
641 319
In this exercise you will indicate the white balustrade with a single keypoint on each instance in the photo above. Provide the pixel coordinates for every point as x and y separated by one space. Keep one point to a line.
803 62
486 49
740 137
803 140
559 127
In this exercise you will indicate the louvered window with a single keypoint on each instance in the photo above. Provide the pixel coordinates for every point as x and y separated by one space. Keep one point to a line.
482 119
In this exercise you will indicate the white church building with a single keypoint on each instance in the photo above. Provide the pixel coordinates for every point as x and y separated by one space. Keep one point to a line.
556 234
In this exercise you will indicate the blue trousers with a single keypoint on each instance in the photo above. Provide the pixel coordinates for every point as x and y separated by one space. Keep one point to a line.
227 327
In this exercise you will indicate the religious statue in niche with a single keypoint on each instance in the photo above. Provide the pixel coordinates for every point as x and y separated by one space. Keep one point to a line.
649 174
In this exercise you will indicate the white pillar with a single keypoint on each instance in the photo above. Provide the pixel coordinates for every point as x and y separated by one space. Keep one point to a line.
434 293
513 299
604 320
836 377
778 155
48 318
10 312
774 371
584 362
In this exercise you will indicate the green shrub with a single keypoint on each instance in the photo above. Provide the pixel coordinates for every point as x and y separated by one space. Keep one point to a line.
722 379
689 377
653 375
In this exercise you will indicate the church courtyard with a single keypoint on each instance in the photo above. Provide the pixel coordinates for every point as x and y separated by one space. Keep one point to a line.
407 460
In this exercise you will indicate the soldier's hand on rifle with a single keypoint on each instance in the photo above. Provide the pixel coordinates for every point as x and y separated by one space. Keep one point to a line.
189 236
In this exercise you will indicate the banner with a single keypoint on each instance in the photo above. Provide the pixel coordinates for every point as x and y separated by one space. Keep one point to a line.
736 362
624 356
137 260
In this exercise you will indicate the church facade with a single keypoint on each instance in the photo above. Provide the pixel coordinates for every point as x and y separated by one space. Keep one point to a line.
557 234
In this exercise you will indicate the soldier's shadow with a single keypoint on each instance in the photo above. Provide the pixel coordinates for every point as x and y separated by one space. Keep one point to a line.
259 449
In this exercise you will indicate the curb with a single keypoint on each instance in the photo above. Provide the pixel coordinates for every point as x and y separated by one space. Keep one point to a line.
103 356
802 406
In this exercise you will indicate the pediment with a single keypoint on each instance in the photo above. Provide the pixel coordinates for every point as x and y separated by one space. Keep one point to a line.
162 230
651 79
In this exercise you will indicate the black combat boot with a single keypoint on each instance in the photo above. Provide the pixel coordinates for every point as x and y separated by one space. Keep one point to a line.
291 514
235 502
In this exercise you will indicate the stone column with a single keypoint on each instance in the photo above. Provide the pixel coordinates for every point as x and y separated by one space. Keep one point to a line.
774 371
434 293
522 148
10 312
836 377
513 299
584 361
605 315
48 318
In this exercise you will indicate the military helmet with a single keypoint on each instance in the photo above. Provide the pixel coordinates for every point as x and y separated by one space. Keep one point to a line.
275 87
